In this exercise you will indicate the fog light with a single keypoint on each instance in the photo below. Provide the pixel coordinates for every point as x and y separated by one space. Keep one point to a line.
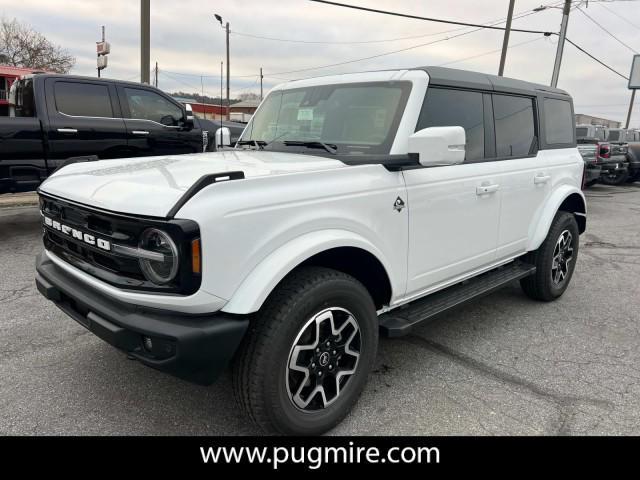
147 343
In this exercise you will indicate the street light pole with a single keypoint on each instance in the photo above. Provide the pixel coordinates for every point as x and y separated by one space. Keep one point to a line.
505 42
261 77
563 33
633 97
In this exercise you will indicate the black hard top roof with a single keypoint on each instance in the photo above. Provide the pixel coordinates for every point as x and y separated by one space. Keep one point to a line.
481 81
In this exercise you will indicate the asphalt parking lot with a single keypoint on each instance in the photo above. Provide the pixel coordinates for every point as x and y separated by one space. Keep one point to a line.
500 366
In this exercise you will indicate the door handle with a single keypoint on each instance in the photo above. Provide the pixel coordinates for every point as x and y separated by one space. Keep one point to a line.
67 130
487 188
140 132
541 178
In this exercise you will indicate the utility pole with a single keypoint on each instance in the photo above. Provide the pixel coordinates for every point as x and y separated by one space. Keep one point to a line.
633 97
505 42
145 42
155 82
102 49
228 73
563 33
261 77
221 107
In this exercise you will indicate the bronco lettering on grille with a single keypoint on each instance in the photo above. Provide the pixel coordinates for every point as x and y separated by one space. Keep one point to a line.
78 234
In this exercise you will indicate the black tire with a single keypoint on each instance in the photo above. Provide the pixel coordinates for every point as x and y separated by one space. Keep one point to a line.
617 178
261 370
590 183
543 285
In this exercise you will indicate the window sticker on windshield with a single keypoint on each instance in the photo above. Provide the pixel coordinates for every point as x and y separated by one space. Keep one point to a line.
305 114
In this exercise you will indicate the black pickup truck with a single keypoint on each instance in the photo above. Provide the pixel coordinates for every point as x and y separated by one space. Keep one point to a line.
57 119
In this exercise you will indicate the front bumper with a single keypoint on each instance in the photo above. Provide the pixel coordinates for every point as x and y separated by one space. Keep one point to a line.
195 348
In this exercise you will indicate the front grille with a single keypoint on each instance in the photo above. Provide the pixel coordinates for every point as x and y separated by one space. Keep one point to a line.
118 270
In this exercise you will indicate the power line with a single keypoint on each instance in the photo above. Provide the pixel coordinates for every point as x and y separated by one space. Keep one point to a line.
428 19
387 40
596 59
490 52
605 30
618 15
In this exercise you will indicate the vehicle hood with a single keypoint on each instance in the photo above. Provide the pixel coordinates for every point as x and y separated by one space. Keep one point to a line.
152 185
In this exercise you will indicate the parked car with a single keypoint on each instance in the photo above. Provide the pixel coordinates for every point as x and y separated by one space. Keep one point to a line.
633 157
59 119
615 170
355 204
594 150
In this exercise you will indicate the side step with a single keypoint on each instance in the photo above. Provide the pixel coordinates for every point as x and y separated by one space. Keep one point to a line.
400 321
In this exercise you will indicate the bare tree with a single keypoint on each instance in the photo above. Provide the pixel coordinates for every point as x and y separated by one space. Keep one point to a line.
22 46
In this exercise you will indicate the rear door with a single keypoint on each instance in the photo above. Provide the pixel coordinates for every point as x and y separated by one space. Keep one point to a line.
526 177
84 119
155 123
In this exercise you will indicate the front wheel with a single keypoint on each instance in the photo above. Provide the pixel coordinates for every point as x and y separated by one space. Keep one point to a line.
555 260
308 353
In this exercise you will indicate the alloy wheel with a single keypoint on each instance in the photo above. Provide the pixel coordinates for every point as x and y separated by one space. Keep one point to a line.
323 359
562 257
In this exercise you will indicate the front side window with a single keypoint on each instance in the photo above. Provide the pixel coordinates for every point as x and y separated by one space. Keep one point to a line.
456 108
83 99
515 126
558 121
147 105
355 118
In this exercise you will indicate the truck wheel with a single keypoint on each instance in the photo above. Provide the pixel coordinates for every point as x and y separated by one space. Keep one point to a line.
590 183
555 260
307 354
616 178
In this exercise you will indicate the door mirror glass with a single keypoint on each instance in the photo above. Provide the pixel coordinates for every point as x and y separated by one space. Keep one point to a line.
223 137
188 116
438 146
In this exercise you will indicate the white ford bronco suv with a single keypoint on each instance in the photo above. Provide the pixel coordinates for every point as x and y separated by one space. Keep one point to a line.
353 205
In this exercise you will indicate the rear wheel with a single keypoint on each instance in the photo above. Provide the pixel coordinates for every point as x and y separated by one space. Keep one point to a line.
555 260
614 178
308 353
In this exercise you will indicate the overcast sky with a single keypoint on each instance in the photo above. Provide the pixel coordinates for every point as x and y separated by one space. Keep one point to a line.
188 43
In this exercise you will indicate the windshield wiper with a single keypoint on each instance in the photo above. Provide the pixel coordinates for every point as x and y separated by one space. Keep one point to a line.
333 149
256 143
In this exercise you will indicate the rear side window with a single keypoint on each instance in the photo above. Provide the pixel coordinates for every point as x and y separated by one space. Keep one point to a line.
450 108
515 126
83 99
558 121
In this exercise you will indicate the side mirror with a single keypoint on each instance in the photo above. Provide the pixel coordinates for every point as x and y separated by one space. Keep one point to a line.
188 116
439 146
223 137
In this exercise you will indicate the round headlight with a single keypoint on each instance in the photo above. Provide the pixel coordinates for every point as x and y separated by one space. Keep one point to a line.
159 271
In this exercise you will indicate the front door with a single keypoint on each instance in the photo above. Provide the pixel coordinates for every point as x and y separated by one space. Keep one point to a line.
155 124
454 211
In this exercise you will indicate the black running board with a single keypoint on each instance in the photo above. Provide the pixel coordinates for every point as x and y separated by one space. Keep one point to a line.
400 321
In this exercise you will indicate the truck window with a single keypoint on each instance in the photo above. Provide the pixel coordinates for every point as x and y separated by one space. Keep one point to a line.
558 121
83 99
147 105
614 135
515 126
581 132
25 105
450 108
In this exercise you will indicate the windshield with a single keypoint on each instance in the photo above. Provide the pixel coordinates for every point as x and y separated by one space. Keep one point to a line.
359 118
581 131
614 135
